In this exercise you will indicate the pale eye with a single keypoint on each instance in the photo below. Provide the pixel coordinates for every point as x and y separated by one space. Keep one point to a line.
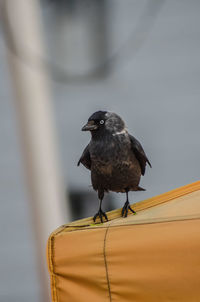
101 122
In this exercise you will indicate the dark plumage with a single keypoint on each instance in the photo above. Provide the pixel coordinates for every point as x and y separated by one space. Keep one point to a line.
116 159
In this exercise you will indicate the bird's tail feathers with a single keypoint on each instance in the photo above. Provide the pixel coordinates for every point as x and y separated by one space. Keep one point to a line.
141 189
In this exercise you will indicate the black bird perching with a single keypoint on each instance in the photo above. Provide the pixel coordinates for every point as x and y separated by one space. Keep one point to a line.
116 159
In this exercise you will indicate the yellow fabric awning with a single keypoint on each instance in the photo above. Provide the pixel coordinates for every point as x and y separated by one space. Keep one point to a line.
151 256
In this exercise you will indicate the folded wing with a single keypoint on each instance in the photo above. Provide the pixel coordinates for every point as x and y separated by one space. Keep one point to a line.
85 158
139 153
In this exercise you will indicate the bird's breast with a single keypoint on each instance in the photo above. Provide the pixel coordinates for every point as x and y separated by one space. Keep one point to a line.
112 157
110 150
116 167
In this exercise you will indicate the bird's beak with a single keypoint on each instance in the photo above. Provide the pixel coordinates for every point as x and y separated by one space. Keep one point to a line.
90 126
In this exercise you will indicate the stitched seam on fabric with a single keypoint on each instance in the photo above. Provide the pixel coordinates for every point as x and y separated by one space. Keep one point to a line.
54 278
134 224
50 263
106 264
52 274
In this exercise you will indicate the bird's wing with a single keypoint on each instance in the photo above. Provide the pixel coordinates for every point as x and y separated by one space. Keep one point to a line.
139 153
85 158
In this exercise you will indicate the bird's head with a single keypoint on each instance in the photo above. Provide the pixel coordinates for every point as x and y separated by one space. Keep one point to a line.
104 122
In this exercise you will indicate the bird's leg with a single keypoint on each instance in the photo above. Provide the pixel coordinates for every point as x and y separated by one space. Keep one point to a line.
100 213
127 207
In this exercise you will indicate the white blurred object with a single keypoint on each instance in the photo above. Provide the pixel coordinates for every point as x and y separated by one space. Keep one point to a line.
48 206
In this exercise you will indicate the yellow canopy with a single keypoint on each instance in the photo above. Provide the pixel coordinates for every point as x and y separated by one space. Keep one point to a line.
152 256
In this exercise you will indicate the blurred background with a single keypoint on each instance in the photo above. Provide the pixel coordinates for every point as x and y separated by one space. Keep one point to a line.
140 59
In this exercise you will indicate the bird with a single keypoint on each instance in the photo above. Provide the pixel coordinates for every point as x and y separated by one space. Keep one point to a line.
115 158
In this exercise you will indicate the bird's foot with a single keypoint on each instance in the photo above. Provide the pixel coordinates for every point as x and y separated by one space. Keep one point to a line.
125 209
100 214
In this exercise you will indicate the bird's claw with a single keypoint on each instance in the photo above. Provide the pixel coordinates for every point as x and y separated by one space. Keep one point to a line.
100 214
125 209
